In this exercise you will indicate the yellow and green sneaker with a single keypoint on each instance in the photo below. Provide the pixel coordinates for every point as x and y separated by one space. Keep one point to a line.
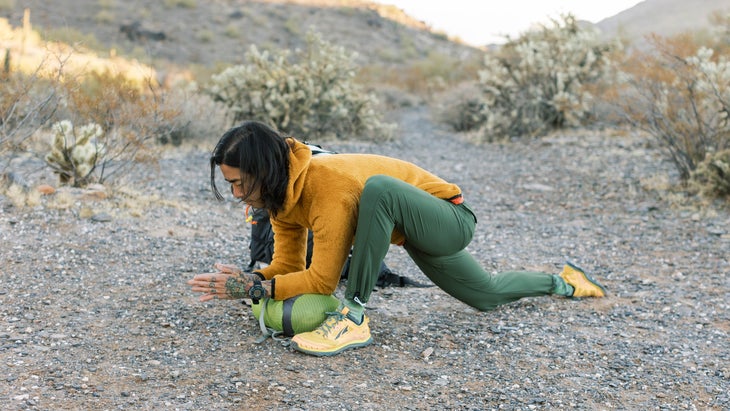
584 285
336 334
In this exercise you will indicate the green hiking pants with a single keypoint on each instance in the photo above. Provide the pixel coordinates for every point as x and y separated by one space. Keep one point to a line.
437 232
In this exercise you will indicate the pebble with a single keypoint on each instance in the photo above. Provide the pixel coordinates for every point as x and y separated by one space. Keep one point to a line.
101 217
46 189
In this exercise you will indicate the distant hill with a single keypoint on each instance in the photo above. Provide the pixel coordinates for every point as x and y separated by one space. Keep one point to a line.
219 32
215 33
663 17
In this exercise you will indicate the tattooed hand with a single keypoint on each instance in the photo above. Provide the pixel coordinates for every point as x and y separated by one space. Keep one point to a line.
228 283
227 268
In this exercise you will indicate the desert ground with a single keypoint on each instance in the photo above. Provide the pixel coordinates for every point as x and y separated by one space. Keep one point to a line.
95 312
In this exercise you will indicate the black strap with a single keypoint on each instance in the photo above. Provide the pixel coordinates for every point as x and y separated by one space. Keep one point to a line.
286 316
317 149
256 287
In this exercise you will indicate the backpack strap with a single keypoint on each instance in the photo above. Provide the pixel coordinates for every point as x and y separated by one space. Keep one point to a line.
265 331
286 323
317 149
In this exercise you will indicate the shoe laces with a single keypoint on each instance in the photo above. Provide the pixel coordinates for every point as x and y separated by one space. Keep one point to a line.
333 317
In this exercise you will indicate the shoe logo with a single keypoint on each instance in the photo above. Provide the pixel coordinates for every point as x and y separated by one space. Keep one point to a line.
342 332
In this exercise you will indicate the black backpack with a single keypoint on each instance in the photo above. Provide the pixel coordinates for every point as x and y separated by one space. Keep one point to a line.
262 245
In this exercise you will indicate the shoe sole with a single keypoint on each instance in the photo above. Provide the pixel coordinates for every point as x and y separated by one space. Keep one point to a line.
587 277
296 346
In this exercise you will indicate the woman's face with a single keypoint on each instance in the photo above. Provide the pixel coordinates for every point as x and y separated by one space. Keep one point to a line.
239 188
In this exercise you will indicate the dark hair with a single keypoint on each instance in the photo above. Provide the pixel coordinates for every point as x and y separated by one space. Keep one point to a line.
260 152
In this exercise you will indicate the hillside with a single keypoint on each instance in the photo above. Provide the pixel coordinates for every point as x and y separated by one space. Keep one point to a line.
211 33
664 17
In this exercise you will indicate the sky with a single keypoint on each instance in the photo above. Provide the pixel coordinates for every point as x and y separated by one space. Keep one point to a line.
481 22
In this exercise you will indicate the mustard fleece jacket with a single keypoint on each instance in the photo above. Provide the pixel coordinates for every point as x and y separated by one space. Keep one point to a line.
323 196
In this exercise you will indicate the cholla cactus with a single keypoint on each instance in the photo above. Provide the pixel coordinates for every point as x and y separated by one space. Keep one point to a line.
712 176
75 152
307 92
537 82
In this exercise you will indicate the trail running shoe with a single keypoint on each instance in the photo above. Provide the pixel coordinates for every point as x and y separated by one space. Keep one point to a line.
584 285
336 334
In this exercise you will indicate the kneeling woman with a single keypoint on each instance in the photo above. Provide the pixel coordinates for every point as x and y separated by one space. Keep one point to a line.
364 202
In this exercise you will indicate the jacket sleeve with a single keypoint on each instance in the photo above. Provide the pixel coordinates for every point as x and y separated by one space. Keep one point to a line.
290 249
333 235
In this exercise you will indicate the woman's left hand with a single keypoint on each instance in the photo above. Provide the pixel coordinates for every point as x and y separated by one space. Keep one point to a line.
222 285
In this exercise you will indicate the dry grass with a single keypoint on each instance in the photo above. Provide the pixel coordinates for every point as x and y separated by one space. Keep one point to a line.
29 51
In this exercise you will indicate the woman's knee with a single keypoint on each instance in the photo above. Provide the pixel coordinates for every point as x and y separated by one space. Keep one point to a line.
376 185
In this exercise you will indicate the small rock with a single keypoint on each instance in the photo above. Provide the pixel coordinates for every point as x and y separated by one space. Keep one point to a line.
95 195
538 187
101 218
46 189
716 231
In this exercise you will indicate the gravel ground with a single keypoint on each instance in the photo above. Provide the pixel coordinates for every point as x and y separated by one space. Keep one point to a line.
95 312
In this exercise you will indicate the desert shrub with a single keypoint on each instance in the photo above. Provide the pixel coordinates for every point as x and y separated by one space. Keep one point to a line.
306 92
99 96
27 104
137 129
197 117
711 178
27 98
461 107
538 81
232 31
205 36
133 119
679 93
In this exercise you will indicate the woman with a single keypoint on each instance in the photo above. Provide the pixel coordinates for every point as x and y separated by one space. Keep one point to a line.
366 202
